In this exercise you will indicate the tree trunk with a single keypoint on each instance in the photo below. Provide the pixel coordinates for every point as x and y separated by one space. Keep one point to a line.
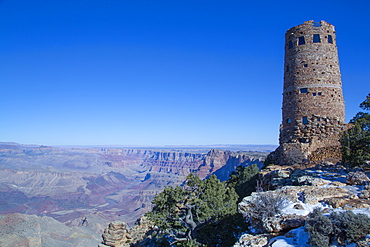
190 221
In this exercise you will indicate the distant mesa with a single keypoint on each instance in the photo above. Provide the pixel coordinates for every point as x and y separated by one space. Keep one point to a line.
104 184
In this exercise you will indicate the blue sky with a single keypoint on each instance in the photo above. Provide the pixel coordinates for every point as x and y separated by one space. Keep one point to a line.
140 72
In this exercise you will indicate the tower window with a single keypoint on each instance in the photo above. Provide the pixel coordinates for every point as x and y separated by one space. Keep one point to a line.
301 40
316 38
304 140
304 120
290 44
287 68
304 90
330 39
288 120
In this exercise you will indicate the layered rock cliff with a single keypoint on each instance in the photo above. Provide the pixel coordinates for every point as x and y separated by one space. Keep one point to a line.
68 184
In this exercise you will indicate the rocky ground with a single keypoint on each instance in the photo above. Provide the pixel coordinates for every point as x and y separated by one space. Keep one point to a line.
327 186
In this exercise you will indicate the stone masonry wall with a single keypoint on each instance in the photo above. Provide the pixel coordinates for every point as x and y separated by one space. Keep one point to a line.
313 104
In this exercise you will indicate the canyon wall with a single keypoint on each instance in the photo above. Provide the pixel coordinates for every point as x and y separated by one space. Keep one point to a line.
72 184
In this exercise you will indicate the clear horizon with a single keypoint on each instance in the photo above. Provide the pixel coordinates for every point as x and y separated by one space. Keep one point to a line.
160 73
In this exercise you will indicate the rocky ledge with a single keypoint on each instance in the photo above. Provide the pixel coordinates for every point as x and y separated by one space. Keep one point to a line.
329 187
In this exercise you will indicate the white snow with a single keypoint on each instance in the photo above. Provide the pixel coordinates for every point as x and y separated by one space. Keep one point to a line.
299 238
307 208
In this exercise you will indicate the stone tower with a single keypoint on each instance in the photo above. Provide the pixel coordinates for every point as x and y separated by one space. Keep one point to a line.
313 105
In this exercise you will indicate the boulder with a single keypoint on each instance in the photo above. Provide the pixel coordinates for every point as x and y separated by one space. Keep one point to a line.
365 194
311 181
304 177
275 177
292 221
116 234
314 194
357 178
271 224
260 240
335 202
142 232
282 223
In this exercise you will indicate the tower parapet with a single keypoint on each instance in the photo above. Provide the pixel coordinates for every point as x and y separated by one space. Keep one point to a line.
313 104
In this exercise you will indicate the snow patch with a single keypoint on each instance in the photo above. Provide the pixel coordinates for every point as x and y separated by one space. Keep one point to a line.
307 208
295 237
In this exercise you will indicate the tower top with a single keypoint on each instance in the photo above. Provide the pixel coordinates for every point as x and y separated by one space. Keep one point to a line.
313 25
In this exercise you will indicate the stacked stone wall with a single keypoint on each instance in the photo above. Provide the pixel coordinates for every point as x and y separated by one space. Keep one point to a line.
313 104
332 154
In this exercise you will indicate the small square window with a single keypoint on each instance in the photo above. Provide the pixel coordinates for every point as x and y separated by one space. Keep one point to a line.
319 93
305 65
313 94
330 39
301 40
304 90
316 38
304 120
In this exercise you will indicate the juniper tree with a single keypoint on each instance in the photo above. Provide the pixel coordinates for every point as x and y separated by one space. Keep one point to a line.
356 140
244 180
180 211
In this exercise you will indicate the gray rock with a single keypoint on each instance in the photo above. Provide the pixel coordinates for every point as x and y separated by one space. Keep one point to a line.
357 178
311 181
260 240
271 224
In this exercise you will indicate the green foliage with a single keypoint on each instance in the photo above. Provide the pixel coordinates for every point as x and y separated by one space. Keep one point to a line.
343 227
179 212
244 180
356 141
319 228
224 232
366 104
355 145
349 226
165 209
188 243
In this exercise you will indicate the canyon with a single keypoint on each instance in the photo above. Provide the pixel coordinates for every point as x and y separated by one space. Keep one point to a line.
85 188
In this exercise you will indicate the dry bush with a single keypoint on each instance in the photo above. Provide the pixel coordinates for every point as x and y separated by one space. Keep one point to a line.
264 207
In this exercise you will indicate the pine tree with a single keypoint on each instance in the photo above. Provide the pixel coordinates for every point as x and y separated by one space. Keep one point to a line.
244 180
356 140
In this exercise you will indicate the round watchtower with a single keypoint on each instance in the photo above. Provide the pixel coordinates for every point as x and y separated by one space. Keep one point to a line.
313 105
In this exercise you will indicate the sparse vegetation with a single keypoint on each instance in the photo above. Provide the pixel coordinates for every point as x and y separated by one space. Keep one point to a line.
262 206
320 228
343 228
182 212
356 140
